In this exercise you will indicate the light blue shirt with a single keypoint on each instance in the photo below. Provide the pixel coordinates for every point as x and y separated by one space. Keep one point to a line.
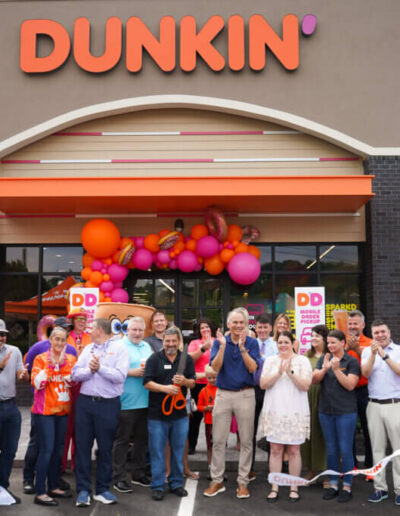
383 383
135 395
268 348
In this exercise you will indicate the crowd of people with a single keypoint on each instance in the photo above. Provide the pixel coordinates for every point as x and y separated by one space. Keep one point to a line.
143 399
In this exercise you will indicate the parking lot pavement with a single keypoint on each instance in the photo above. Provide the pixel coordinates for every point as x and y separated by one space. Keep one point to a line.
139 502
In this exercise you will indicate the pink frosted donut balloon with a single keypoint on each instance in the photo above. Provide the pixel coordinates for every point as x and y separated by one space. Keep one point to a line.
44 325
216 223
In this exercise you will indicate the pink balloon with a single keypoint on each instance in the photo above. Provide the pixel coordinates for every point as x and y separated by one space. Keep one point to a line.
119 295
104 270
163 257
244 268
142 259
107 286
207 246
117 272
97 265
139 241
187 261
199 267
173 265
118 284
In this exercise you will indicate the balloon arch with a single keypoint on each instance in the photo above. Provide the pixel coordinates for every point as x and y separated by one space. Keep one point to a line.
212 246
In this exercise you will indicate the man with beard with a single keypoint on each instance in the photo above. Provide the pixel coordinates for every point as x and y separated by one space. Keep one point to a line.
161 378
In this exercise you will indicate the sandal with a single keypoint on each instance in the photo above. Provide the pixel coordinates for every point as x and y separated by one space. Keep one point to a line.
296 496
273 499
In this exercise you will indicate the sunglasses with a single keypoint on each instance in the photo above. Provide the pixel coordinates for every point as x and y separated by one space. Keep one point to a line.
80 319
3 334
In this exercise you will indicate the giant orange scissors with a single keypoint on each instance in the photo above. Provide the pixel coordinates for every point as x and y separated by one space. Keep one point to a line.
177 401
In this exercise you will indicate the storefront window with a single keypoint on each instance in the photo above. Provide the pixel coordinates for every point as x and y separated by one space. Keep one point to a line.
22 259
294 258
164 293
342 291
339 258
143 292
62 259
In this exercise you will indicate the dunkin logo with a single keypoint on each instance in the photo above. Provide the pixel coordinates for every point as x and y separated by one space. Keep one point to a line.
173 46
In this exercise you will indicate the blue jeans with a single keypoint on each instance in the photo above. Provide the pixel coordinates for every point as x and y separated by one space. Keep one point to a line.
10 430
339 434
51 432
176 431
95 419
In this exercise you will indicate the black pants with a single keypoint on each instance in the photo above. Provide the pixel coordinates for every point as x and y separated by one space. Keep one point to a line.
195 418
362 402
132 424
259 394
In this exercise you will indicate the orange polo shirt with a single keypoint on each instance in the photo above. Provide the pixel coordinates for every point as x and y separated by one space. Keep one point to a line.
364 343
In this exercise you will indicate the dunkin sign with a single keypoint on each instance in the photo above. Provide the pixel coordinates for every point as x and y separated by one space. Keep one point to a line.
178 44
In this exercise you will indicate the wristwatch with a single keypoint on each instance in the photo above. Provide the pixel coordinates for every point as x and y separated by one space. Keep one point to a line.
243 351
385 357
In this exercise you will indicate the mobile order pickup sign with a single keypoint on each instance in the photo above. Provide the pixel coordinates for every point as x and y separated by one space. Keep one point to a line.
86 298
309 311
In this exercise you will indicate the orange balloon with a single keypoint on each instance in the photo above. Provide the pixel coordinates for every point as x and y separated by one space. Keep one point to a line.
87 260
106 277
226 255
151 243
100 238
234 232
191 245
235 243
86 272
241 248
89 284
254 250
107 299
101 296
107 261
124 242
96 278
198 231
116 255
178 247
214 265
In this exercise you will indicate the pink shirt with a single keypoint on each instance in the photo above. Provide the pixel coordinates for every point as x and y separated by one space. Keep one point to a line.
201 363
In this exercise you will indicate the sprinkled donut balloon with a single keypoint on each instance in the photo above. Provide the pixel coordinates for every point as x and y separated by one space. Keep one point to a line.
216 223
169 240
126 254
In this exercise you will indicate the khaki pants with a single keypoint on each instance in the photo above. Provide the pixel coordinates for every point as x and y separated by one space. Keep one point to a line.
384 424
229 403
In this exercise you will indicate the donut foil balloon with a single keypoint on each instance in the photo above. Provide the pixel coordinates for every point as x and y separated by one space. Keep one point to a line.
216 223
45 324
250 233
169 240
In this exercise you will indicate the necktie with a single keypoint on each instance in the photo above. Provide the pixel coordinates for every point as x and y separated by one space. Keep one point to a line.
262 348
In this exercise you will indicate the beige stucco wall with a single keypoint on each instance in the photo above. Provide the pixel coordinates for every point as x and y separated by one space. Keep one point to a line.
345 89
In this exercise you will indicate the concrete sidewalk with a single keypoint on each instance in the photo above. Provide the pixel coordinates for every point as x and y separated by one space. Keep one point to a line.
198 460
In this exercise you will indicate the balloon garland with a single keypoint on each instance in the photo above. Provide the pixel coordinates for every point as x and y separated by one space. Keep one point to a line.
214 246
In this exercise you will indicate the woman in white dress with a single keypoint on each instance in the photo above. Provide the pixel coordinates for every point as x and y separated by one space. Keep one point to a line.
285 417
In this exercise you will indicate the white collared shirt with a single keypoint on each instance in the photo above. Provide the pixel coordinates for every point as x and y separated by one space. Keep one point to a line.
270 348
383 383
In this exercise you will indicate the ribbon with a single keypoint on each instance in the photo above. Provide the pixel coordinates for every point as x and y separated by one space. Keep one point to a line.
282 479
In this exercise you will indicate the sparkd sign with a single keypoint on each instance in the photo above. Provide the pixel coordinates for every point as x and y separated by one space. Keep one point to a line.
192 42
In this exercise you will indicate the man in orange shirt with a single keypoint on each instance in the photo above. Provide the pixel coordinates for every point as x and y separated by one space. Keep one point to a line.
357 342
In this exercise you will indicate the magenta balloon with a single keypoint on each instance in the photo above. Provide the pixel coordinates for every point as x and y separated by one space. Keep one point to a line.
163 256
117 272
199 267
173 265
118 284
139 241
207 246
104 270
244 268
142 259
187 261
97 265
119 295
107 286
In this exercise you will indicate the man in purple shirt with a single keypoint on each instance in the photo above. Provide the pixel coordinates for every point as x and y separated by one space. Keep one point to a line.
102 368
32 450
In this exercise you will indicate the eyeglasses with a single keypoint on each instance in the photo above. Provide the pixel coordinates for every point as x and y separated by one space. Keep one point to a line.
3 334
80 319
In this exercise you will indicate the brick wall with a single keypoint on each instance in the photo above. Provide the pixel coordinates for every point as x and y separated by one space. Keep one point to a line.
382 259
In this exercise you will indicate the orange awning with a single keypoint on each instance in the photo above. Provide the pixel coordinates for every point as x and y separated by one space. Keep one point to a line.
290 194
53 302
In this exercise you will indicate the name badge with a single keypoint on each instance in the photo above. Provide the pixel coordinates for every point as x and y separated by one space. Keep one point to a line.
168 366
